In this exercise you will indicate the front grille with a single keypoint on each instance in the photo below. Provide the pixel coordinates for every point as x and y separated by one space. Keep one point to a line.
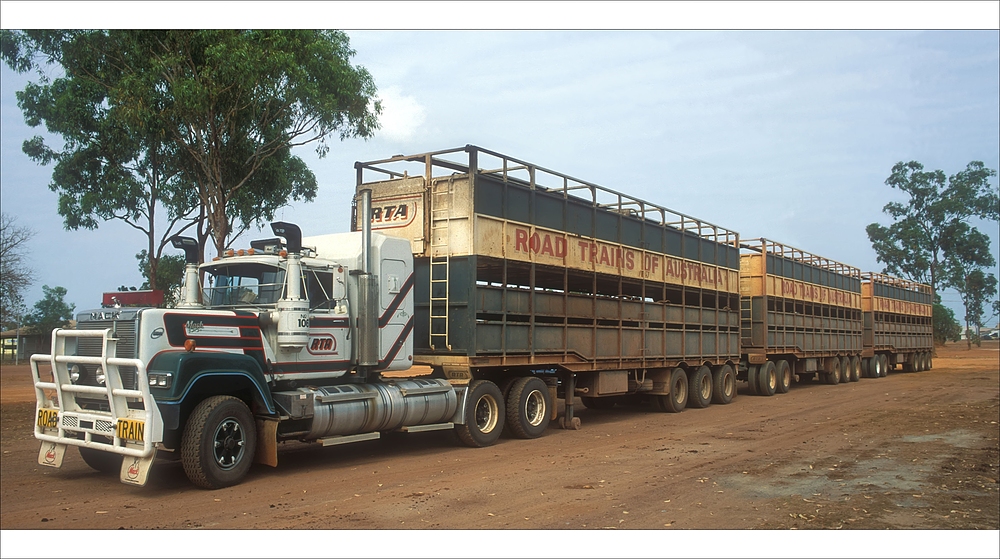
124 330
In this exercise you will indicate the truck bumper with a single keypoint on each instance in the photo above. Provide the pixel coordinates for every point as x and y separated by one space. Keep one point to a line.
131 428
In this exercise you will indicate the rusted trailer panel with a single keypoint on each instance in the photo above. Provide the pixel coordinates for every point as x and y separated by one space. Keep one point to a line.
801 315
520 270
898 327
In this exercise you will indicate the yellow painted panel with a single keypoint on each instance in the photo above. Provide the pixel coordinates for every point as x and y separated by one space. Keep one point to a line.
528 243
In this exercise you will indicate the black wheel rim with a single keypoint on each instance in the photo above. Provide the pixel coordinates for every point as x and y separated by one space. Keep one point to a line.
229 443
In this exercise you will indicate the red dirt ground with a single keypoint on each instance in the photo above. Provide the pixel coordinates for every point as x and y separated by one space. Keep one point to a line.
911 451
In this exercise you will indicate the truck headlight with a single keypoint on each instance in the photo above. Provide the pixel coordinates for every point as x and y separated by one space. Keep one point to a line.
160 379
99 376
74 373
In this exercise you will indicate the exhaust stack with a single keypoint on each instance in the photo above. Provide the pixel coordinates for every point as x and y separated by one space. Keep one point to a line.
368 295
292 309
191 278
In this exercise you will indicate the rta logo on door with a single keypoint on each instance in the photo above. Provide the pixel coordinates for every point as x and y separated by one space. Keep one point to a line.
323 345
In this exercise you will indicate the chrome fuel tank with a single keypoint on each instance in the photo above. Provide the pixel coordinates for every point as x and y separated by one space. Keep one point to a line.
364 408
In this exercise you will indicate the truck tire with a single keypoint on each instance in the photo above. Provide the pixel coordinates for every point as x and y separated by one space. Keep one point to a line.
528 408
104 462
700 388
875 367
723 385
767 383
484 415
845 369
599 403
832 374
930 360
752 379
783 373
865 366
219 441
855 375
676 400
884 360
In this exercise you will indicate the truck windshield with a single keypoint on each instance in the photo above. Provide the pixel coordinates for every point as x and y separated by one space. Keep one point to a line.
244 285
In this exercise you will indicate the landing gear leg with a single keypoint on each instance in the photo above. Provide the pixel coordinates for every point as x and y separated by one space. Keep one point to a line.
568 420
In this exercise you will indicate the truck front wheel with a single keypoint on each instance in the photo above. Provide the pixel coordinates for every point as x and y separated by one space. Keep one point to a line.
219 442
484 415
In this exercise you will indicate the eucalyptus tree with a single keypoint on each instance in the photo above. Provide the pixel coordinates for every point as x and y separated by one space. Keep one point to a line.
913 245
968 255
937 219
200 123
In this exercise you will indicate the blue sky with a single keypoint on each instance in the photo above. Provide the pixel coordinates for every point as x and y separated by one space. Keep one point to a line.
778 133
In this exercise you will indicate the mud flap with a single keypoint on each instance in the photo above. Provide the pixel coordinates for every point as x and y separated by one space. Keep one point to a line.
267 442
135 470
51 454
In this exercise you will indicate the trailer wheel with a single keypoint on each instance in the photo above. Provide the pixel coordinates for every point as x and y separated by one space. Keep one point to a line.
930 360
864 368
104 462
676 400
767 382
218 444
700 388
784 375
875 367
484 415
528 408
723 385
855 375
832 374
598 403
884 360
752 379
845 369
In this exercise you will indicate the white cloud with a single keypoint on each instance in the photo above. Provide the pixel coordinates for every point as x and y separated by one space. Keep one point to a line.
401 115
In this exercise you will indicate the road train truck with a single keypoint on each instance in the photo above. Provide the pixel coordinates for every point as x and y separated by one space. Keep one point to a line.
518 291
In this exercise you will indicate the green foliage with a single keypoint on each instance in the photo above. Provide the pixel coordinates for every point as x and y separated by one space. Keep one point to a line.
199 123
946 328
967 255
914 244
168 275
50 312
15 275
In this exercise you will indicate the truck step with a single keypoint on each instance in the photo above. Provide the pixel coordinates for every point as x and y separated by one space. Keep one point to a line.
428 427
345 439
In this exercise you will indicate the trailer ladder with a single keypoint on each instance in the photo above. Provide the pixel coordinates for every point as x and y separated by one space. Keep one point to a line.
440 203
